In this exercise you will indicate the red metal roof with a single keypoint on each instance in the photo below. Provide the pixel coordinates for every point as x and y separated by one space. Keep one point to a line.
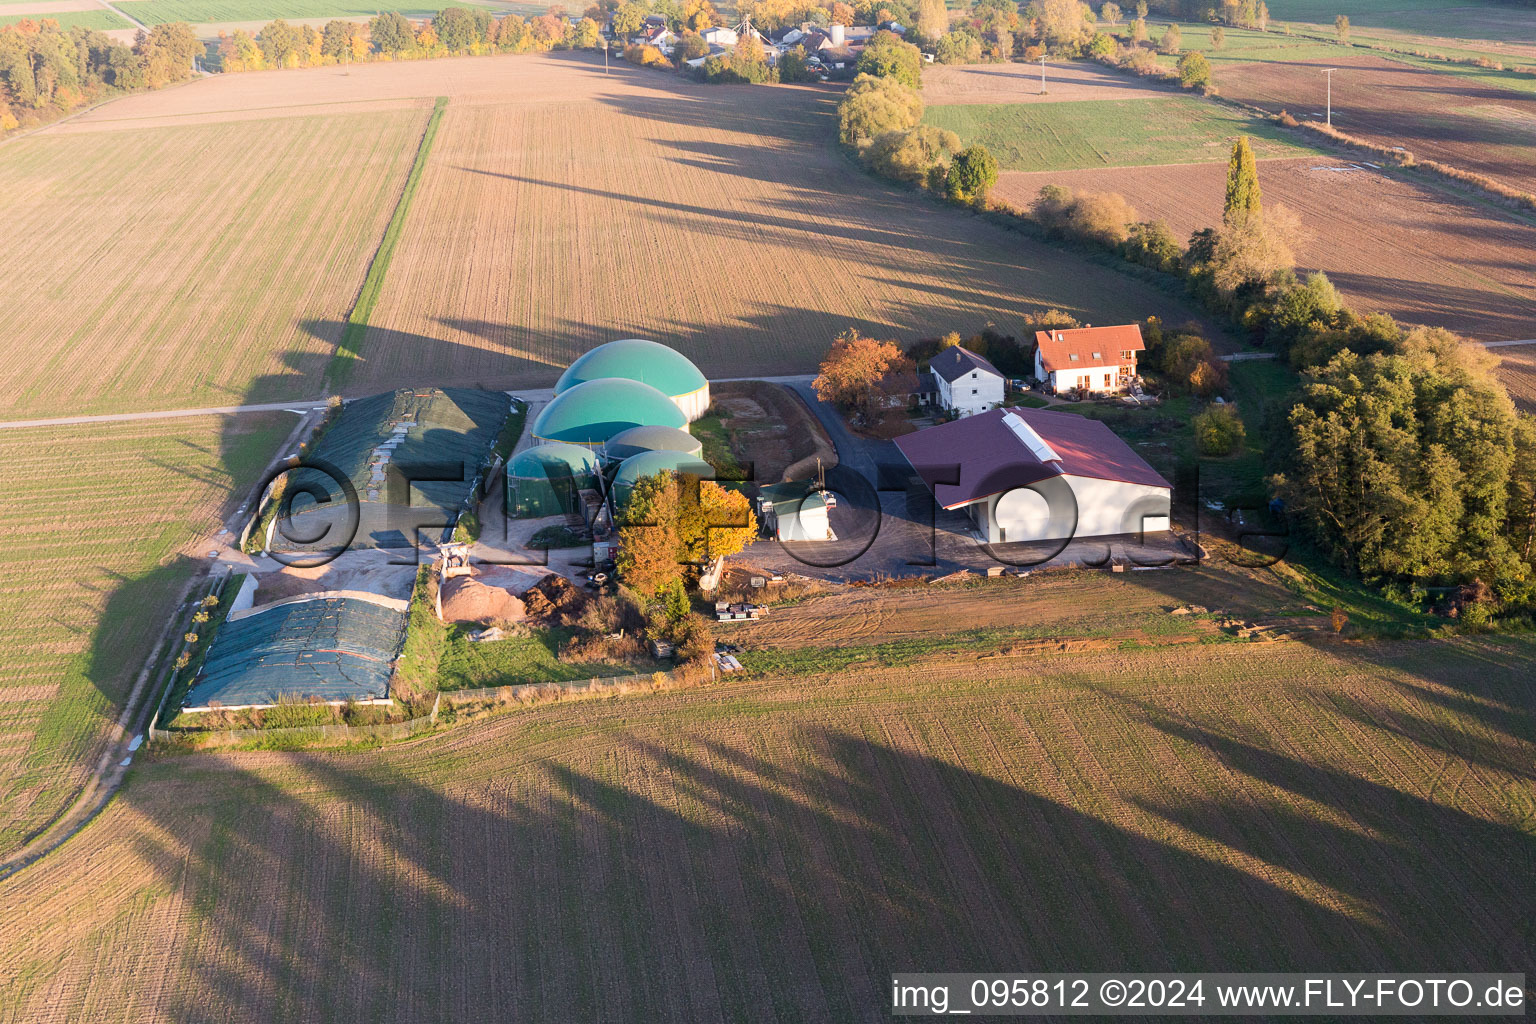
1092 346
968 459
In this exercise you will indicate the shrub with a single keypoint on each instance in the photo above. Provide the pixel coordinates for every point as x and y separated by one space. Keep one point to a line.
1194 70
874 106
971 176
1099 217
1152 245
962 46
911 155
1219 431
646 56
886 56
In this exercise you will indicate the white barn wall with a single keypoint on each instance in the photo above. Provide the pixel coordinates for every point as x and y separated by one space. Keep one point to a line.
694 404
1105 508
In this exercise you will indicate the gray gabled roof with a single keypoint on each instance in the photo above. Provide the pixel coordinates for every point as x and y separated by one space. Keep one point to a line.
955 362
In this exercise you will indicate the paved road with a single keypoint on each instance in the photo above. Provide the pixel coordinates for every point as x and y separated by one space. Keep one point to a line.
163 414
863 455
1506 344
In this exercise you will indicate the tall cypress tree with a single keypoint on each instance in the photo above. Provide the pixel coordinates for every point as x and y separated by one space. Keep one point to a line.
1242 206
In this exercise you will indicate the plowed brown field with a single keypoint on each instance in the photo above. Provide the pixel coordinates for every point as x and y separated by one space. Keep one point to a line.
723 222
1517 369
1389 245
1450 118
773 851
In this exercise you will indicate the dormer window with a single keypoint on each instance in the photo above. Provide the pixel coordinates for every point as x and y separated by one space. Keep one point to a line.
1072 356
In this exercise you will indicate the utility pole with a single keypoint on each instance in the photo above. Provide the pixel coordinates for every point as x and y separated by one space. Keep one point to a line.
1329 73
1042 74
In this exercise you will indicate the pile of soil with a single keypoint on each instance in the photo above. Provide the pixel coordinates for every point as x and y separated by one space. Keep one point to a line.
553 598
466 599
280 586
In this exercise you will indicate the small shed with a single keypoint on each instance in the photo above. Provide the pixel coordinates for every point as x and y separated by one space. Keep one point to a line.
794 511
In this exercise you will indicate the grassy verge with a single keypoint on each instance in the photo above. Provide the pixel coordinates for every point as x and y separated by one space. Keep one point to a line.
512 430
718 451
351 345
425 639
181 683
522 660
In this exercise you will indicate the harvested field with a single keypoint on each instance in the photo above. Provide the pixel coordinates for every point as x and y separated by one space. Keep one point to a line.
729 210
1517 371
1390 245
1451 118
772 851
194 265
95 540
556 194
1111 133
946 84
99 18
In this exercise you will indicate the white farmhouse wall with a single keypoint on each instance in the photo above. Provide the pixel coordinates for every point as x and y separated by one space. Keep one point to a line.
1089 377
957 396
1103 508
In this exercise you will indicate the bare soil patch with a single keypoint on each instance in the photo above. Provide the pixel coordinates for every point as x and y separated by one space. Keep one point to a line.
771 429
1398 247
1020 83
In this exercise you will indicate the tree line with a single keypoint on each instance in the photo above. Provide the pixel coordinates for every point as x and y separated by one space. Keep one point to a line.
47 71
392 36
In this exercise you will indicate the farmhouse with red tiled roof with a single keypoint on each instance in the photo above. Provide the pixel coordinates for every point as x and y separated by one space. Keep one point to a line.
1035 474
1092 358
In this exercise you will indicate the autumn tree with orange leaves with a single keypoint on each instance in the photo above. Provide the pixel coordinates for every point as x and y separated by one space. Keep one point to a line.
862 374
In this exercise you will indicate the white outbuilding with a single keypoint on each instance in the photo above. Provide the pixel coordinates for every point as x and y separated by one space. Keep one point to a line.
1038 475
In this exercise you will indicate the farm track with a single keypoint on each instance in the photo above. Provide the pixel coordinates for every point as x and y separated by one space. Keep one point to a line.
778 846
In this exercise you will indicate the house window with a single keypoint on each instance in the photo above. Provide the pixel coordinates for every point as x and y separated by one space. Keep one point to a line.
1107 379
973 375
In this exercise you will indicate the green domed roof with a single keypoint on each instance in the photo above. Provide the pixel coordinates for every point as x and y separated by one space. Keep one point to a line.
649 362
536 463
651 439
592 412
637 467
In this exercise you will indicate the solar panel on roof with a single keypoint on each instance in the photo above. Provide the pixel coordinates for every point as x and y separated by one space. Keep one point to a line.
1033 441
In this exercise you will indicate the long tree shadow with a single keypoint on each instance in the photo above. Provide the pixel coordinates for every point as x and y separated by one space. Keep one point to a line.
709 878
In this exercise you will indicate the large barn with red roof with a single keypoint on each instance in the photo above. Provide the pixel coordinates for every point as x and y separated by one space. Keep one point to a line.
1039 475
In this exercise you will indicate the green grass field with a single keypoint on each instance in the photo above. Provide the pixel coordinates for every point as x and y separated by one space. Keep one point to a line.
90 567
156 12
1245 46
1109 133
519 661
1471 19
102 20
